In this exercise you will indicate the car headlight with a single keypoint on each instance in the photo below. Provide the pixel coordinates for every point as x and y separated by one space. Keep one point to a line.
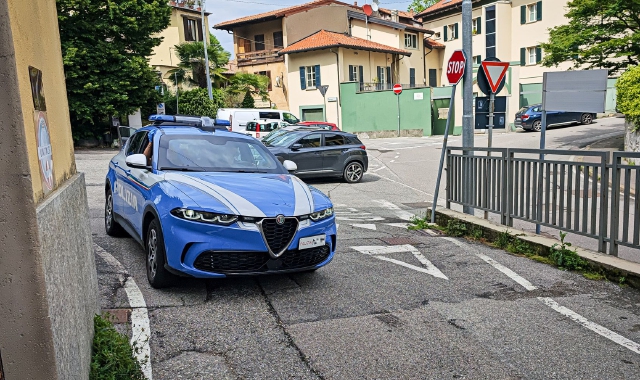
204 216
319 215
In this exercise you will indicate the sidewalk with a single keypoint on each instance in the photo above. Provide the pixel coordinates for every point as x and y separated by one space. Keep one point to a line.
611 144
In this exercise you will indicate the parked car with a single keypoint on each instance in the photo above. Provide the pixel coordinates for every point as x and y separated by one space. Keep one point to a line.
322 153
238 117
261 128
530 118
320 124
280 131
208 203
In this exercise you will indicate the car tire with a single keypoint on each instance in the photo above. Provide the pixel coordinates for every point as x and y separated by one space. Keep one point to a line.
111 227
157 274
353 172
537 125
586 118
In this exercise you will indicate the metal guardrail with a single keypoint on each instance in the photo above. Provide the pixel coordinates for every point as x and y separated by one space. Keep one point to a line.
591 197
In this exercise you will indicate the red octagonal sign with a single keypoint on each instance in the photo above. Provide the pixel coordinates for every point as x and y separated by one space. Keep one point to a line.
455 67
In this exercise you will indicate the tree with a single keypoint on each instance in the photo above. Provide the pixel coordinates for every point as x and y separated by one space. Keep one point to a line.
196 102
243 83
600 34
248 101
628 95
105 46
192 69
418 6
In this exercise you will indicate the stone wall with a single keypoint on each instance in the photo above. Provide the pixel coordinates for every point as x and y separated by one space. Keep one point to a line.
631 139
70 275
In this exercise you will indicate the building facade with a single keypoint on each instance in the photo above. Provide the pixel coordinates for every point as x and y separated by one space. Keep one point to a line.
327 42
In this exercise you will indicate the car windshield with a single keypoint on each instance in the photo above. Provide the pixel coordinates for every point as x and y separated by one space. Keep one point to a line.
285 140
289 118
210 153
273 134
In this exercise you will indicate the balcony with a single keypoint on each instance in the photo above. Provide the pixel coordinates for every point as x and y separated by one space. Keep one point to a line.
259 57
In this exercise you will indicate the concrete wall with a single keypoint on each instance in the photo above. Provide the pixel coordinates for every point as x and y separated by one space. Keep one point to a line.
48 283
332 18
375 114
631 139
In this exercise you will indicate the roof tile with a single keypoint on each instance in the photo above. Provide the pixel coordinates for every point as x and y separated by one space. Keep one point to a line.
324 40
442 4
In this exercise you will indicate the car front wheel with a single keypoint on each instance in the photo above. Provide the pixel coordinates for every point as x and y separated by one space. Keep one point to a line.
353 172
157 275
537 125
586 118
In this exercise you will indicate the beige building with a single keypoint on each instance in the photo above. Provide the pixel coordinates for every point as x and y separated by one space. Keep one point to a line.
185 26
509 30
326 42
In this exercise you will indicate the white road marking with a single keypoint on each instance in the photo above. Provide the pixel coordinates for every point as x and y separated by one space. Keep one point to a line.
399 225
378 169
392 161
431 232
140 328
379 251
511 274
366 226
355 218
600 330
386 204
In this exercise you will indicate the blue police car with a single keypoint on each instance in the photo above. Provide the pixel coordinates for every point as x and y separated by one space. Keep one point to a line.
209 203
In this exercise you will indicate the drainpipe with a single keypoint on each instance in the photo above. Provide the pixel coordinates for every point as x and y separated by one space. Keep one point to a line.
339 102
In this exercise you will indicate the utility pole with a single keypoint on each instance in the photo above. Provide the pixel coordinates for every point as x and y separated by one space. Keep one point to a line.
205 37
467 101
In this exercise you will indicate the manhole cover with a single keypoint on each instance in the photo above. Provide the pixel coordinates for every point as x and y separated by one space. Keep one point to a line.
400 241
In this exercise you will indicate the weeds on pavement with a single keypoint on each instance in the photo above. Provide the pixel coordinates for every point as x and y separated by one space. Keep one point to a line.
112 356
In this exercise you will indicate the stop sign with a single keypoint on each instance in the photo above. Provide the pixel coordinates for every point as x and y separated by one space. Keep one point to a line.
397 89
455 67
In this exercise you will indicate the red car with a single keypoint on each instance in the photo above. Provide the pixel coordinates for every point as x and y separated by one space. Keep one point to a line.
320 124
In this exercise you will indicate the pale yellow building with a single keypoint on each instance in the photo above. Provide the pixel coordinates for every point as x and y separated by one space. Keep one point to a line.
185 26
327 42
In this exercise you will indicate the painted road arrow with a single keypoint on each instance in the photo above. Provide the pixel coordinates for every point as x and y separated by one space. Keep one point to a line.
379 251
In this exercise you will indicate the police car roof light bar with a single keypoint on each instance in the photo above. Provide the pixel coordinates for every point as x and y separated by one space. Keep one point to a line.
202 122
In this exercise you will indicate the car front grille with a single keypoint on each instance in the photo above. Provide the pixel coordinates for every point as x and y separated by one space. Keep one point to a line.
257 262
277 236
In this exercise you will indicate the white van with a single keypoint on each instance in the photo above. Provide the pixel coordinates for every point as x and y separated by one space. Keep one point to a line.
238 117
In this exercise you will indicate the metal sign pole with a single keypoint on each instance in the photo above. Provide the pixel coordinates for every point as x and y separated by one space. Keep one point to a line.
492 107
444 151
398 96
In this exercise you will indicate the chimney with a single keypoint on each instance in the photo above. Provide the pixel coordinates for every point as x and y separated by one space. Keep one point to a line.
394 16
355 3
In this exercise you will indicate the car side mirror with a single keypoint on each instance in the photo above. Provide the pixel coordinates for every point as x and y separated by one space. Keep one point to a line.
296 146
138 161
290 166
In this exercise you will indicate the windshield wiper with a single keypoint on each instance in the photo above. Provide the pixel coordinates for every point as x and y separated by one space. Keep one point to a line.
184 169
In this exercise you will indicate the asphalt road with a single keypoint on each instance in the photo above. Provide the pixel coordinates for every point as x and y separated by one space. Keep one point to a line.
394 304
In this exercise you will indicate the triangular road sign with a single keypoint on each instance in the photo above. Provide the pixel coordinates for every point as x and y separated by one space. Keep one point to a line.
495 72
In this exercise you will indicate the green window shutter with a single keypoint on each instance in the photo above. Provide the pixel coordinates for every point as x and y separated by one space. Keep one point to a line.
361 73
479 23
523 14
455 31
539 10
523 56
318 81
446 31
303 78
351 78
388 74
538 54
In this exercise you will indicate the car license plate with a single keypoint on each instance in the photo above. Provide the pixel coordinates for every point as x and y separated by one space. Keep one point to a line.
312 242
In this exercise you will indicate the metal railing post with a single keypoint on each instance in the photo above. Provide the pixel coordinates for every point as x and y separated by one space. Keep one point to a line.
604 204
615 205
509 190
503 194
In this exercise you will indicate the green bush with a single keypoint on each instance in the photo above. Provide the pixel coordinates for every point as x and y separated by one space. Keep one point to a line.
248 101
565 257
455 228
628 87
112 357
196 102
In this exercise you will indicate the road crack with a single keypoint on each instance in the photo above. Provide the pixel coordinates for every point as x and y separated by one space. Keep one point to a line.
290 341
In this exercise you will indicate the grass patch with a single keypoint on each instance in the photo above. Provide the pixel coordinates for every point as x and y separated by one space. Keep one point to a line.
567 258
594 276
419 223
112 356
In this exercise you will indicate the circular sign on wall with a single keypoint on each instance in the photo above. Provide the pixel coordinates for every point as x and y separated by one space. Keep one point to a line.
44 151
397 89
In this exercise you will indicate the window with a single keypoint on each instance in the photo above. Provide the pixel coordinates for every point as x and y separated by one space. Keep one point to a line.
333 140
531 13
311 76
259 42
436 35
136 143
531 52
356 73
269 115
289 118
433 78
268 75
410 41
277 40
477 59
412 77
530 55
476 26
451 32
311 141
192 29
490 26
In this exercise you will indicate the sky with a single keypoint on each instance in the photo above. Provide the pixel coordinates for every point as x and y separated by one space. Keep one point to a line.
224 10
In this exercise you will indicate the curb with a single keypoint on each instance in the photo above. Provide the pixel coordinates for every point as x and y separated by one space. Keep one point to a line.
612 266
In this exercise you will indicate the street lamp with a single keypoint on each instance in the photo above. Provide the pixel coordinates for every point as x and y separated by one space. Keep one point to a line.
205 37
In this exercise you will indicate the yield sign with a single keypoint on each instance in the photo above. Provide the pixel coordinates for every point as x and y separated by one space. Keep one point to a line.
495 72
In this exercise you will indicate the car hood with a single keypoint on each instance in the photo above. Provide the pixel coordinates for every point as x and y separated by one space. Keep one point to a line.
250 194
